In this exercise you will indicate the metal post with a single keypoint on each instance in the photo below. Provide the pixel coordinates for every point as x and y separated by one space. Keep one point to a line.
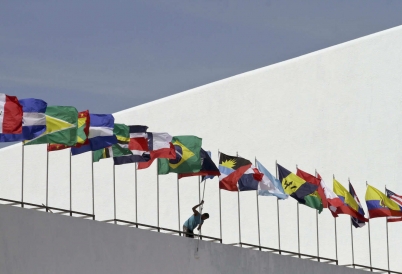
386 223
220 205
178 202
238 209
371 266
336 243
114 194
277 209
318 237
47 179
22 178
298 230
93 187
157 194
136 195
351 235
258 213
71 189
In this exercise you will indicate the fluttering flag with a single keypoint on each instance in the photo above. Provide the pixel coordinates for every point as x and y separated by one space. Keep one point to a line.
138 143
379 205
297 188
33 121
232 169
269 185
159 146
317 198
333 201
350 205
356 221
250 180
82 132
188 158
11 114
208 167
397 199
61 127
100 134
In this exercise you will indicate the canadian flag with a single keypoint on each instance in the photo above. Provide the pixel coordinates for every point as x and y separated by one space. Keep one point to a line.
10 115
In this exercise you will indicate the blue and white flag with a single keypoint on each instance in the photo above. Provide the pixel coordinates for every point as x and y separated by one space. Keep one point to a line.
100 134
33 121
269 185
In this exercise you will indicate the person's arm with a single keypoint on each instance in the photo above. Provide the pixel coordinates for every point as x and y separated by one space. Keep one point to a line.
195 210
200 225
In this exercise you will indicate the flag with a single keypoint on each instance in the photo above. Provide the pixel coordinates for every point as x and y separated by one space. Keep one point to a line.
231 169
208 168
33 121
61 127
297 188
356 221
379 205
250 179
333 201
82 132
269 185
159 146
397 199
315 199
10 115
138 143
188 158
100 134
350 205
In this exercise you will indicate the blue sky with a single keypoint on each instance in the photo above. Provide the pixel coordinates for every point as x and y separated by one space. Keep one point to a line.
107 56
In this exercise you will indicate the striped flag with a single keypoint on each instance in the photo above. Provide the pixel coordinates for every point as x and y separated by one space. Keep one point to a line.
10 115
397 199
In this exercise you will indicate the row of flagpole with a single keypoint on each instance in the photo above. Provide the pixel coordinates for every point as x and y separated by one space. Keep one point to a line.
220 209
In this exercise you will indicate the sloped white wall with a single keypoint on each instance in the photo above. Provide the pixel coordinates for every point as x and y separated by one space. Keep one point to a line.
337 110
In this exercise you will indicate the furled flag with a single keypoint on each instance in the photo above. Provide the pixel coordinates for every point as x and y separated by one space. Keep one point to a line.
295 186
208 167
100 134
188 158
397 199
159 146
82 132
10 115
33 121
379 205
317 198
232 169
333 201
350 205
269 185
355 221
61 127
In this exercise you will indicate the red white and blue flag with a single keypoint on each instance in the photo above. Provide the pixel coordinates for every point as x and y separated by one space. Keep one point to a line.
397 199
10 115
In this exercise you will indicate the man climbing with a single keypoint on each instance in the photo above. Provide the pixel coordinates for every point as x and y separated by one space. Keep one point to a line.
193 221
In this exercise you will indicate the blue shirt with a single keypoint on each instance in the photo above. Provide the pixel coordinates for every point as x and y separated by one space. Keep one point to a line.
193 222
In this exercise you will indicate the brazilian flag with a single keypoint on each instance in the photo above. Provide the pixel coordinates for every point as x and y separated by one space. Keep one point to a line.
304 192
188 158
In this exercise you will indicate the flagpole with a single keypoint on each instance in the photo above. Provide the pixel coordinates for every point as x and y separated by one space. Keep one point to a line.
178 201
371 266
318 237
71 189
258 212
220 204
136 196
93 186
22 178
386 223
114 193
157 193
351 235
336 234
298 227
277 209
47 178
238 207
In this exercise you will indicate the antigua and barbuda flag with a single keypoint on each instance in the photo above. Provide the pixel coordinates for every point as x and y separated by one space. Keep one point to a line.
269 185
397 199
379 205
61 127
232 169
317 198
188 156
33 121
295 186
208 168
100 134
11 115
82 133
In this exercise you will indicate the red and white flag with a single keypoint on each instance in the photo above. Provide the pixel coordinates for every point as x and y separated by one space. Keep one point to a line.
333 201
10 115
397 199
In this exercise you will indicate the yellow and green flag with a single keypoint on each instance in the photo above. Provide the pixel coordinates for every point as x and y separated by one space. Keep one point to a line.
187 159
61 127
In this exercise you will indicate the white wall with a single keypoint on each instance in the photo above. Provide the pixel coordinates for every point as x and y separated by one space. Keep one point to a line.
337 110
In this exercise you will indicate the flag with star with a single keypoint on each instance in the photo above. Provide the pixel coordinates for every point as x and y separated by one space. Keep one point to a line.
188 158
